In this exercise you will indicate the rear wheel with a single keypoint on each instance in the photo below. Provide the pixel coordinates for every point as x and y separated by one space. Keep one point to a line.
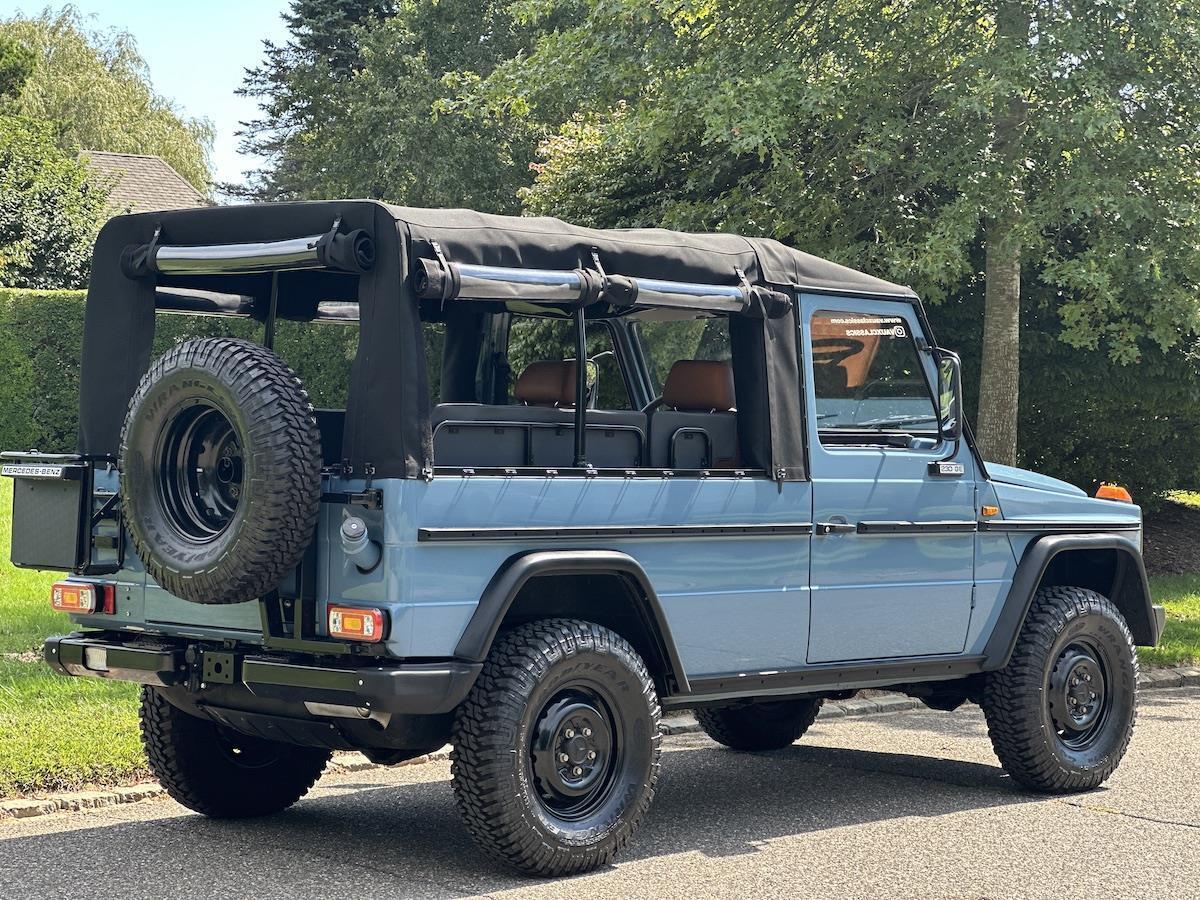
219 772
759 726
556 749
1061 713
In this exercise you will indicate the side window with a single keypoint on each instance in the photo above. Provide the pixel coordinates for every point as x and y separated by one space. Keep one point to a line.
665 343
532 339
867 377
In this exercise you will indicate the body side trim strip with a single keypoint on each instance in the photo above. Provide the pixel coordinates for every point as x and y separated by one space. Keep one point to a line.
944 527
1059 527
433 535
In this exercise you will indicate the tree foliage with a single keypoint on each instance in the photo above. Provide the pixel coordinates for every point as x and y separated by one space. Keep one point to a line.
357 104
16 65
95 89
49 211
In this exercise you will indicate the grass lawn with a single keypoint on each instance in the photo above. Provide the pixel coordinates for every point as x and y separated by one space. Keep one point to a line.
59 733
55 733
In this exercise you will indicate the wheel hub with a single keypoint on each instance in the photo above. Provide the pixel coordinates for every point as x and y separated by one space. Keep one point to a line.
573 751
1078 695
200 466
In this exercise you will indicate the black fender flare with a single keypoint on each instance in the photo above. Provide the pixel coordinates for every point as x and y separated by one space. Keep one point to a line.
1130 590
517 570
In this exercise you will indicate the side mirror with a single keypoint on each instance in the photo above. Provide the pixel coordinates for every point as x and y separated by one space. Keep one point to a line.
950 406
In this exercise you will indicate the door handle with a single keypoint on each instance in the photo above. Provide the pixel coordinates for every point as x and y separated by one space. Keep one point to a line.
835 528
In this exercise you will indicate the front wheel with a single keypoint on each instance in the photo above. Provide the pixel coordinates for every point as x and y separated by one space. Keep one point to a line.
556 748
220 772
1061 713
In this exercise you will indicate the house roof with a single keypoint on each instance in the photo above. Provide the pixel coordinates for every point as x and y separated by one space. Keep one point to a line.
142 183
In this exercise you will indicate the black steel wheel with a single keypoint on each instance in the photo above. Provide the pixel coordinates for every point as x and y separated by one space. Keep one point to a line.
219 772
199 471
1061 713
556 748
766 725
220 470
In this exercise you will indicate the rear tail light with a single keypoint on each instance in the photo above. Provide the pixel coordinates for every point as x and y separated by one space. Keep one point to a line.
353 624
81 597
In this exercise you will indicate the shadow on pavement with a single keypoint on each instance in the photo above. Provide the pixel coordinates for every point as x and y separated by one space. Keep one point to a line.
407 839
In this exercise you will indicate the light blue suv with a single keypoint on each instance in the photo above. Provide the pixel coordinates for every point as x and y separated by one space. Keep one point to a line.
561 480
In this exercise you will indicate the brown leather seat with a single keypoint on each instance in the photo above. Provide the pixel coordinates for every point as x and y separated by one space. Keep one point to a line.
699 385
696 425
547 382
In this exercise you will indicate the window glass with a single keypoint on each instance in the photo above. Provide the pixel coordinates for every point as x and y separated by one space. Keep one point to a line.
531 339
664 343
867 375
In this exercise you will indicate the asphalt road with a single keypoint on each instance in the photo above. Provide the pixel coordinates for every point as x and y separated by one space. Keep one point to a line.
906 805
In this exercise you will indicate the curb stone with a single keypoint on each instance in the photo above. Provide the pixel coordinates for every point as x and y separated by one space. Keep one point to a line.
80 800
683 723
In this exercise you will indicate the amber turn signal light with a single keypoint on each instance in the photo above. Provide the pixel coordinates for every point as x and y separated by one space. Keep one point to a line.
72 597
352 624
81 597
1108 491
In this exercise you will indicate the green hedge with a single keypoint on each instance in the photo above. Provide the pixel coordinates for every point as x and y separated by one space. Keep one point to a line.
41 335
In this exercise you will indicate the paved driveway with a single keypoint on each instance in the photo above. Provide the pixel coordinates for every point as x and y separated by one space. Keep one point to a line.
911 804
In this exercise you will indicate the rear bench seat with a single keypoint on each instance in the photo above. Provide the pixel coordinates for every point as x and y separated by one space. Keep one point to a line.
696 425
538 430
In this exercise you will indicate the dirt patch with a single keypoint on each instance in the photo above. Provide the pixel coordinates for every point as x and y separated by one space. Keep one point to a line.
1172 540
27 656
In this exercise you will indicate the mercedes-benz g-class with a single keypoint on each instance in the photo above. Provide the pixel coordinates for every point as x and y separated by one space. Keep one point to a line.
558 480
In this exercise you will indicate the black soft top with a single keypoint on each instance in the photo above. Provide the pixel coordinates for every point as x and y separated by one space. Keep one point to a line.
548 243
387 420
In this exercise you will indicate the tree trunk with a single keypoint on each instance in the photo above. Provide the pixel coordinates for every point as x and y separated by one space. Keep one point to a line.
999 380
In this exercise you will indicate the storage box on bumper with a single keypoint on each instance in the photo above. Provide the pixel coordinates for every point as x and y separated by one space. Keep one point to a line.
428 688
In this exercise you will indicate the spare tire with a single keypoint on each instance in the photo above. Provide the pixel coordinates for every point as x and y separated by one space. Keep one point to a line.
220 470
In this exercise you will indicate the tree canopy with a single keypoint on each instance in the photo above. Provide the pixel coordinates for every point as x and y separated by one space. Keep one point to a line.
95 90
49 210
359 105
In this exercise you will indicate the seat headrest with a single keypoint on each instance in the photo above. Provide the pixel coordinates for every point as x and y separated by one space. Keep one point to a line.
547 382
699 385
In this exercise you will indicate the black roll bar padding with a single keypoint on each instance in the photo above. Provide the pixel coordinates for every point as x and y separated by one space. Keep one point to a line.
352 252
433 281
622 291
137 260
766 303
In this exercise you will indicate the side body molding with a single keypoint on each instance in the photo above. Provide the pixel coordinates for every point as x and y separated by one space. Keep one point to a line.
1129 590
518 570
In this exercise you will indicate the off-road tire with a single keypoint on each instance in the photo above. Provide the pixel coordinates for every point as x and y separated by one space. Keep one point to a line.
219 772
276 448
770 725
515 701
1024 706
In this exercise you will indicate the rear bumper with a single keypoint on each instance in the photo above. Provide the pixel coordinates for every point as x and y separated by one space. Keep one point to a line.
428 688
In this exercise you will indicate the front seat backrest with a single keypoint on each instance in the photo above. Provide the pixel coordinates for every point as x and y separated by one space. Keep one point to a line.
696 426
699 385
547 382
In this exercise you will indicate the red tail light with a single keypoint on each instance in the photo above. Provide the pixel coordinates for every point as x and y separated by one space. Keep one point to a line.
81 597
351 624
